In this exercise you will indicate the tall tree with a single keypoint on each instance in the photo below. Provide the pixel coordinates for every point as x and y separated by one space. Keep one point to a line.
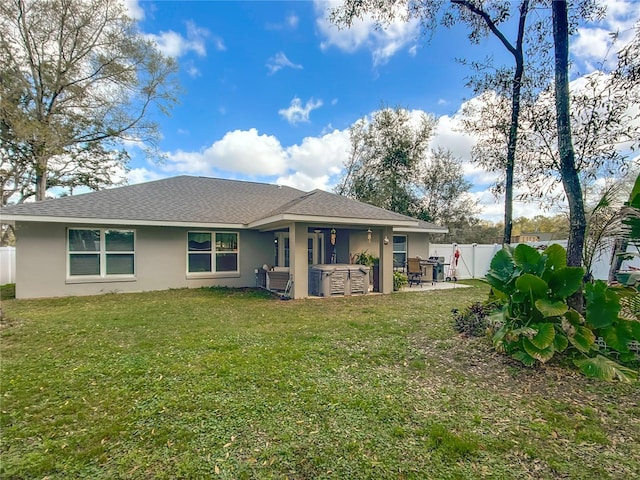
77 80
483 18
516 49
387 154
444 190
568 171
605 127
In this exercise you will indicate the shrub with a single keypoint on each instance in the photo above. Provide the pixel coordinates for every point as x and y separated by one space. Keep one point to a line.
7 291
537 322
399 280
473 320
365 258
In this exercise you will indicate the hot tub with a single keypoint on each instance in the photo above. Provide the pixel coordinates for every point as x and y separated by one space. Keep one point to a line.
338 279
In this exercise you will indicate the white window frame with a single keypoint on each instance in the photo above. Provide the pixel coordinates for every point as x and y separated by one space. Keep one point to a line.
281 239
406 248
102 253
213 253
318 247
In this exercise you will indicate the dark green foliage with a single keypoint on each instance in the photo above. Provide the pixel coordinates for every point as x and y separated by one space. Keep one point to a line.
7 291
366 258
632 212
399 280
473 320
386 158
534 320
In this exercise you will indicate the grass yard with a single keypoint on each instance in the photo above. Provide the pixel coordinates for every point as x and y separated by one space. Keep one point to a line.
211 383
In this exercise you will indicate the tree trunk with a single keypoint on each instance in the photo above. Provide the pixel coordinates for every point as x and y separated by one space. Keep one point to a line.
511 148
568 172
41 180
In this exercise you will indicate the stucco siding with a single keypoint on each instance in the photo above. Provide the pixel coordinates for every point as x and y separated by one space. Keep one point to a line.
417 245
160 262
360 244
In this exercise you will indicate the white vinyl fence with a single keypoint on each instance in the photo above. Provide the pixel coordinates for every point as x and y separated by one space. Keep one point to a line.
474 259
473 262
7 265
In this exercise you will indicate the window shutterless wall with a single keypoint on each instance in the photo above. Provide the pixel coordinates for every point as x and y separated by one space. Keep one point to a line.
100 253
160 261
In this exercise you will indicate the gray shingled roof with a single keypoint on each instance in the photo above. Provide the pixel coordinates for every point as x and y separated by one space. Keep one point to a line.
177 199
325 204
199 200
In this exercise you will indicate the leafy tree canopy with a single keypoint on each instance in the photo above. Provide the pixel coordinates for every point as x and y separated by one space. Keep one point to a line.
387 154
77 81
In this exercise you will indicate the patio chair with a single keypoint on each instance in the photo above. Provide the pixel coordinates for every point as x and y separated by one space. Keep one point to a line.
414 271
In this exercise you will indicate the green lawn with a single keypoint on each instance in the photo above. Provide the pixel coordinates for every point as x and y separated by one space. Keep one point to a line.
233 384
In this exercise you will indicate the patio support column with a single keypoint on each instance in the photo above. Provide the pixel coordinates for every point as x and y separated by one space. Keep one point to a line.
386 260
298 237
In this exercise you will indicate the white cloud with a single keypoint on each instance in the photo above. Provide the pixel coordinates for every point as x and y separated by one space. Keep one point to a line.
292 20
219 44
133 9
317 162
141 175
304 182
173 44
279 61
382 42
449 135
311 164
192 70
593 45
296 113
240 151
320 157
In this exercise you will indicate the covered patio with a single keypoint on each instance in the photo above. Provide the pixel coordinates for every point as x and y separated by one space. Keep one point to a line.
320 259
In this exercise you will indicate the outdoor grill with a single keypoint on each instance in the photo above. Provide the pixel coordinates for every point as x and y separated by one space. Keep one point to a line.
438 268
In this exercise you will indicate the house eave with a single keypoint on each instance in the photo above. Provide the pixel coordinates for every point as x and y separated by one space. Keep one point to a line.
11 219
421 230
278 221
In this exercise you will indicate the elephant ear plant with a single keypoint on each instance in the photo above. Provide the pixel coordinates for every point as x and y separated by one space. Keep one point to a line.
534 320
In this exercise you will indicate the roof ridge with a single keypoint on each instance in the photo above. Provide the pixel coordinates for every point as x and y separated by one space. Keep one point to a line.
289 204
365 203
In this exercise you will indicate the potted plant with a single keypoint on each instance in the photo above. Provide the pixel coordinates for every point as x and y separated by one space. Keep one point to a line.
373 262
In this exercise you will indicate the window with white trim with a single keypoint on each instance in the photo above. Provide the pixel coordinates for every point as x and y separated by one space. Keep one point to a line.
399 251
212 252
100 252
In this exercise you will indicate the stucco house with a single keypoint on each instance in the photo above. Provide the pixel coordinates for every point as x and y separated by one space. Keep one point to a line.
192 231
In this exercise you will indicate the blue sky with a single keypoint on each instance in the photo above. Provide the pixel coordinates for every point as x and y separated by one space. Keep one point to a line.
271 88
